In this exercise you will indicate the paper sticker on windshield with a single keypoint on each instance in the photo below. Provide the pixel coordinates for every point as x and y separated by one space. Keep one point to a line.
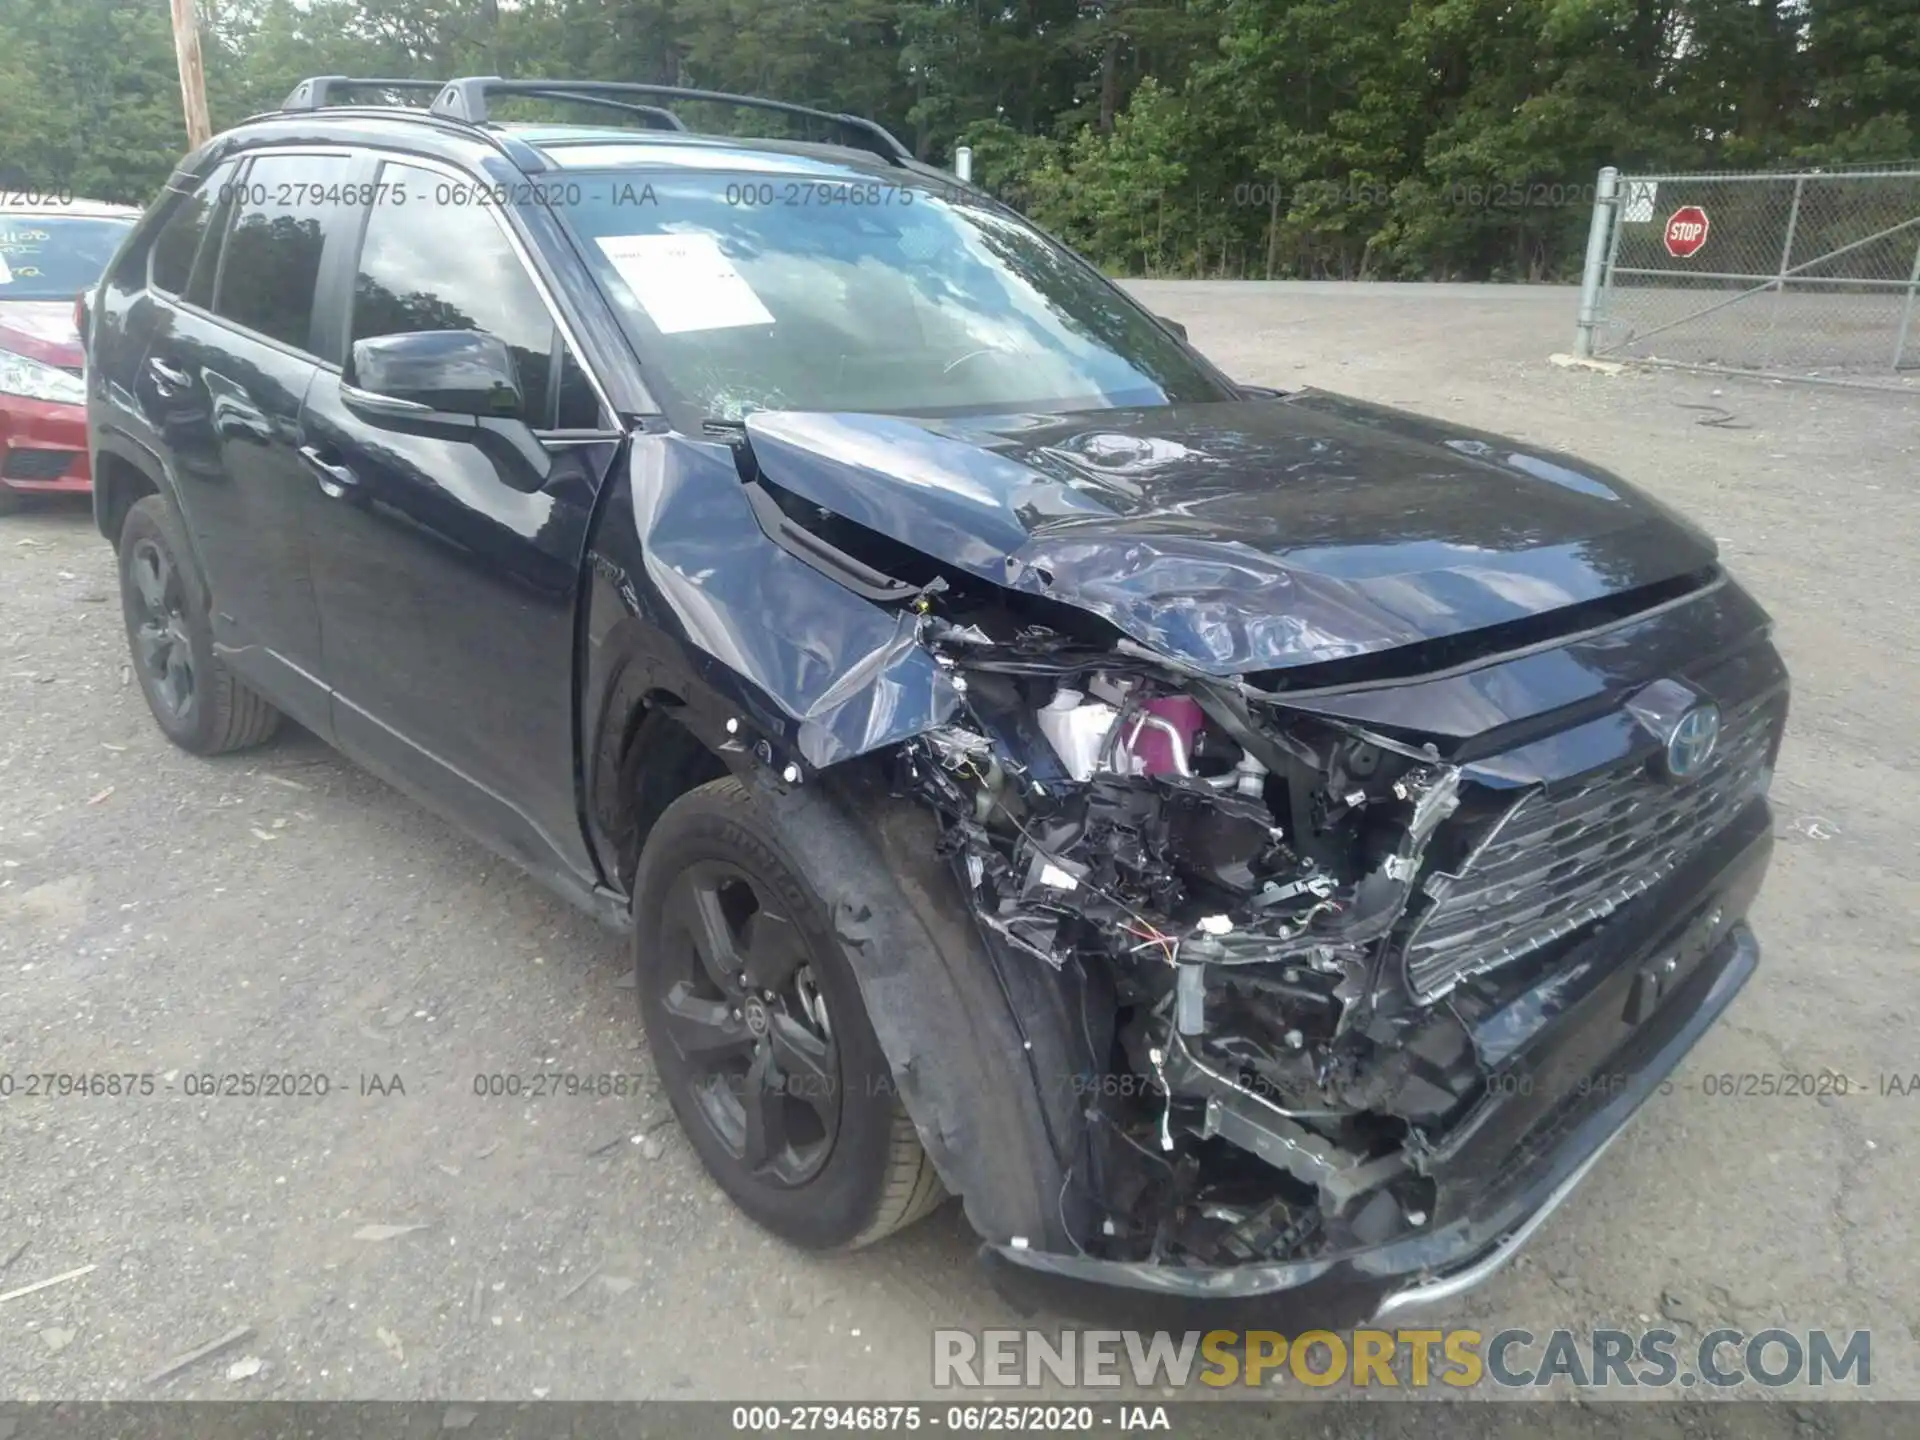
683 282
6 275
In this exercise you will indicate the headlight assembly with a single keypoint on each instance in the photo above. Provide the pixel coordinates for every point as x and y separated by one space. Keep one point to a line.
35 380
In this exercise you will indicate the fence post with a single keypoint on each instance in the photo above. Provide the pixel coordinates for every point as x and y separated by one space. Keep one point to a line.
1786 269
1906 316
1599 233
963 162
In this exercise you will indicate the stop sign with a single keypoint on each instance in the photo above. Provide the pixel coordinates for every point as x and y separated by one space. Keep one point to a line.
1686 231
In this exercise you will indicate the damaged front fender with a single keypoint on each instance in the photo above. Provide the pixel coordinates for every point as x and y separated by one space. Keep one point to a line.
688 589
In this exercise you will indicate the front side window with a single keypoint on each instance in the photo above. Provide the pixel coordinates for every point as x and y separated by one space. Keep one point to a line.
443 267
283 209
840 291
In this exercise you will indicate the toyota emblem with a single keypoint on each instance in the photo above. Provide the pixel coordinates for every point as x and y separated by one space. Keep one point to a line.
1690 746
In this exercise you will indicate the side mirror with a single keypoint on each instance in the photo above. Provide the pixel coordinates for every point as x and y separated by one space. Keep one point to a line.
1173 325
434 372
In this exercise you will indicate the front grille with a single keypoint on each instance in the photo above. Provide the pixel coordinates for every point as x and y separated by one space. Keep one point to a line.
37 464
1560 859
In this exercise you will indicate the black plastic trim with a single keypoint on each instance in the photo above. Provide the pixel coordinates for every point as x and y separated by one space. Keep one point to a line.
828 559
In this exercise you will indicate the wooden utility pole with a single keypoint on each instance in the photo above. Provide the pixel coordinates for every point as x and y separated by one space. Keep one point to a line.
193 79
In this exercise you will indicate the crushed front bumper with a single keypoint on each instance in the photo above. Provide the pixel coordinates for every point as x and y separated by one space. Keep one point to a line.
1595 1046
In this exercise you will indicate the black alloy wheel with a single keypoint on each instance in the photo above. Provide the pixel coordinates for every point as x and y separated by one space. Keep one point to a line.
759 1028
157 618
199 703
745 1015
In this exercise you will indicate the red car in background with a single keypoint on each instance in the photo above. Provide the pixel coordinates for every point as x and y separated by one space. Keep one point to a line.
51 252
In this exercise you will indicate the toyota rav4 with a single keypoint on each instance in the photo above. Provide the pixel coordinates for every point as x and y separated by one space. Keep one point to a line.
1239 842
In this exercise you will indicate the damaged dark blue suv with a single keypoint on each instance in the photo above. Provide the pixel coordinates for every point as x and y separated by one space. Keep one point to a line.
1238 842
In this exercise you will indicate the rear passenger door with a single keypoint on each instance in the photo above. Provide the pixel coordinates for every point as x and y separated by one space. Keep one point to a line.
447 554
223 379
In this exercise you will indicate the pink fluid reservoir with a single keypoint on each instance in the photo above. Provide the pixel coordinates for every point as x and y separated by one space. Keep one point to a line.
1155 750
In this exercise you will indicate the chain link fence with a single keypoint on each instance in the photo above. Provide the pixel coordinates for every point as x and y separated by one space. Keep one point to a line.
1813 274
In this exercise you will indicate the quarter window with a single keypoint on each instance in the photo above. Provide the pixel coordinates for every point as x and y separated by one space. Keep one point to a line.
179 241
441 267
283 210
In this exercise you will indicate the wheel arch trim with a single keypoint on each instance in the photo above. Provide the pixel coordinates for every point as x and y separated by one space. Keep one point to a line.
117 448
942 1004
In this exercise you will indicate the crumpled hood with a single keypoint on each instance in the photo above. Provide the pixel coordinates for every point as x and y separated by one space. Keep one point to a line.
1247 535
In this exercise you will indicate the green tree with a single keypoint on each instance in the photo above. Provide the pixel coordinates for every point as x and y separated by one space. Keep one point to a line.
1398 138
89 97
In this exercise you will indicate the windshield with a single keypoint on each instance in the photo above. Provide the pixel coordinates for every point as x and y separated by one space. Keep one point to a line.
55 257
787 291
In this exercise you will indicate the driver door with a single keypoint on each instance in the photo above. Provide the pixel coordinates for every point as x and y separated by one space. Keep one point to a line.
445 551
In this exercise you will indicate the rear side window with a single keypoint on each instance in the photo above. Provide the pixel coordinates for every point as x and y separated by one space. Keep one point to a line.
206 265
186 252
448 267
179 240
282 214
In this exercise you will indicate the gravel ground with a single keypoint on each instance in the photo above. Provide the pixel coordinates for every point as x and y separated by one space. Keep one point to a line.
281 911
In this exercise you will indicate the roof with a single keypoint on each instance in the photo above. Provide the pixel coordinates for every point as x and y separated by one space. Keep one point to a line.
687 149
555 132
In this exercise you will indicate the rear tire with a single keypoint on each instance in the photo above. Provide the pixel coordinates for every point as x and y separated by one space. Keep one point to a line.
759 1034
196 700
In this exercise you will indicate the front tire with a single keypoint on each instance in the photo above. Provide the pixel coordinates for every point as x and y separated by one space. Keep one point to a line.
195 699
759 1035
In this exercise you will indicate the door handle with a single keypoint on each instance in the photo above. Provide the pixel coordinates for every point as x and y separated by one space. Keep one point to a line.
334 479
169 380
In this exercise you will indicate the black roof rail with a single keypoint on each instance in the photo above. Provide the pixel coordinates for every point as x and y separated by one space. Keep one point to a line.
322 90
328 92
466 99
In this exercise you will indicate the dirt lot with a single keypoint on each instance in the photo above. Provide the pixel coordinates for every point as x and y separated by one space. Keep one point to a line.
282 911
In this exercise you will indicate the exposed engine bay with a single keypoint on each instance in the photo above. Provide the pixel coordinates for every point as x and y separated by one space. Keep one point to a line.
1233 871
1278 945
